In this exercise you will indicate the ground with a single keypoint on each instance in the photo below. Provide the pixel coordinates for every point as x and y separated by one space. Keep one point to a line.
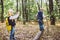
29 31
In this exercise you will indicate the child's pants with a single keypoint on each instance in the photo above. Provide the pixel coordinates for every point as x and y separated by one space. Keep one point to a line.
12 33
41 26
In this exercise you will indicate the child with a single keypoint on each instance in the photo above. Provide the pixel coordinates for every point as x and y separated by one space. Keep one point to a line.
11 21
40 19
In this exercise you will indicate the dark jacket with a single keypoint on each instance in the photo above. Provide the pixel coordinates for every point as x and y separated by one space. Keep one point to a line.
40 17
11 22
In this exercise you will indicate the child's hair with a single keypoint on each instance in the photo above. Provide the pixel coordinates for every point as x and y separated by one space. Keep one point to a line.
41 9
10 10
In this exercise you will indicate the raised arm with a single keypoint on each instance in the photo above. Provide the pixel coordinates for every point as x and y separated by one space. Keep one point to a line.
15 16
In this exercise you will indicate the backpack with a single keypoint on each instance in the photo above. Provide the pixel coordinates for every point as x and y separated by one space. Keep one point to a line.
8 27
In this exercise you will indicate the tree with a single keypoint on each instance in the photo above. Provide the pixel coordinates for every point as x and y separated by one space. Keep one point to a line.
2 17
23 11
52 18
17 8
26 10
17 5
58 4
41 3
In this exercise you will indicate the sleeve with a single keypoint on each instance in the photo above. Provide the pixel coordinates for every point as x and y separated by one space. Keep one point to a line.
15 16
44 16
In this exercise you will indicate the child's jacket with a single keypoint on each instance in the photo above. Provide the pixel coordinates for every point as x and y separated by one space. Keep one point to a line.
40 17
11 22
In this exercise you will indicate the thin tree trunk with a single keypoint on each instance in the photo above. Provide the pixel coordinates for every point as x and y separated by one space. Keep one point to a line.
17 8
23 9
26 11
38 6
41 3
52 18
17 5
58 3
2 17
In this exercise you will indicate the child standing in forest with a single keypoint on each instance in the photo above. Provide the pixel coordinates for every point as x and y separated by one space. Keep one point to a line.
40 19
11 21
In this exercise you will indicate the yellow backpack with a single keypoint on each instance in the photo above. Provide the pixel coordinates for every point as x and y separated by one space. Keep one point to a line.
8 27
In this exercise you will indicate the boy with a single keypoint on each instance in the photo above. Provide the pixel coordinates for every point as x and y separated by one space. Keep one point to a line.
40 19
11 21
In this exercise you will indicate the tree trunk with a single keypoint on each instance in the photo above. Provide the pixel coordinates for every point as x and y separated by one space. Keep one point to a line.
26 11
23 9
41 3
52 18
17 5
17 8
38 6
2 17
58 4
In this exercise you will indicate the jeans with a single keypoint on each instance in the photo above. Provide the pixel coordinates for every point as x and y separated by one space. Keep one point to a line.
12 33
41 26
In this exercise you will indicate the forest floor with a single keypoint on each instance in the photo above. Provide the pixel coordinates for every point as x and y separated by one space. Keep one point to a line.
29 31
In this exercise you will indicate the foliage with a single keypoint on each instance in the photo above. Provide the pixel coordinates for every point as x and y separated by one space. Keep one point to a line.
32 8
